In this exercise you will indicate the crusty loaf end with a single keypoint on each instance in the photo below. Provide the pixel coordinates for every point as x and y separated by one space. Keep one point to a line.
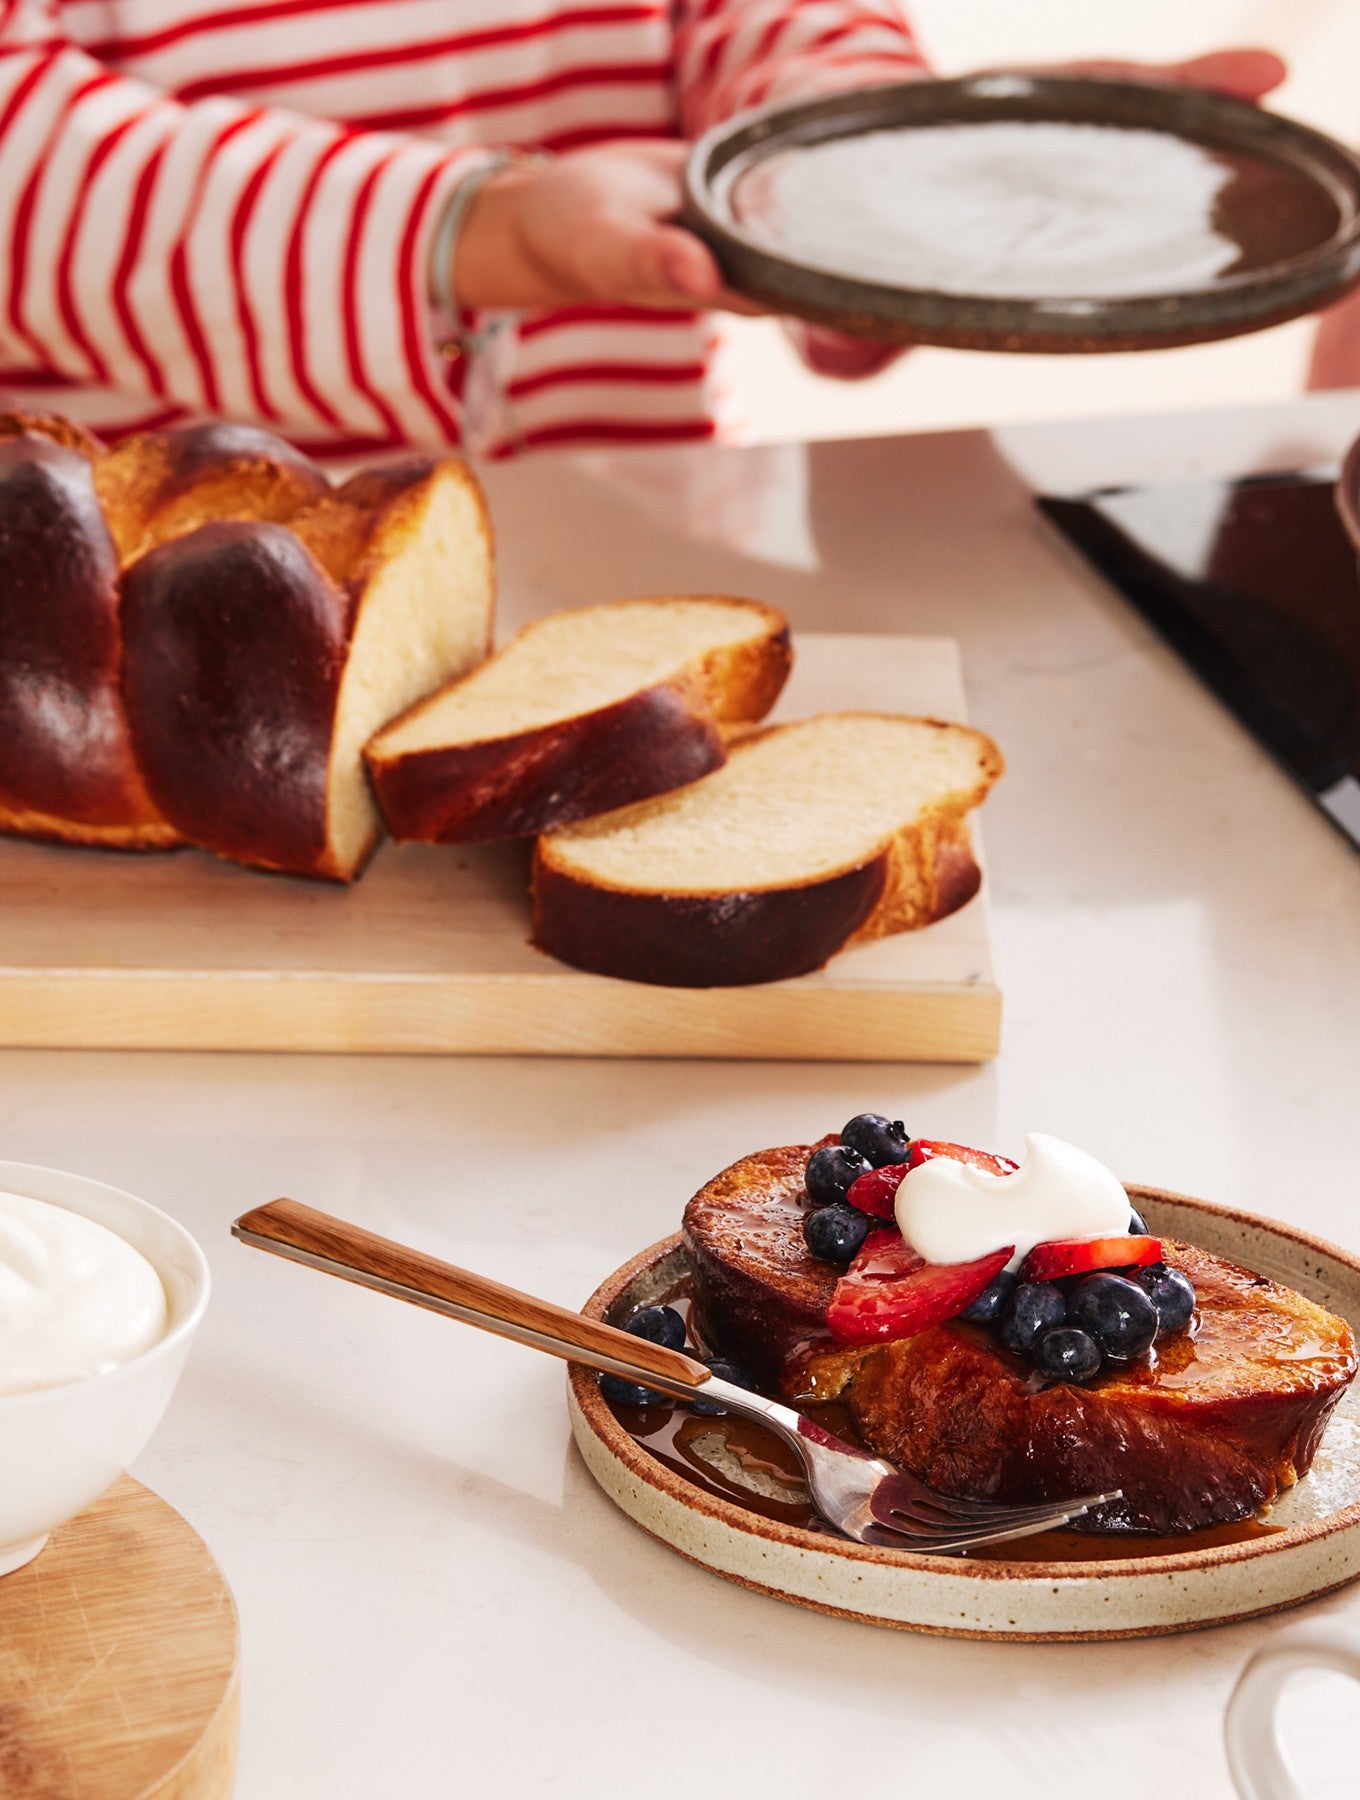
67 769
259 657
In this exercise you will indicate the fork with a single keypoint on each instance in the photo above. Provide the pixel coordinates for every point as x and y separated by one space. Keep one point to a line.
860 1495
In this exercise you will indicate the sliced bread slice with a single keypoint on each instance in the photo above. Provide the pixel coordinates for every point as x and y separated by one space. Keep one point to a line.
582 712
842 827
259 658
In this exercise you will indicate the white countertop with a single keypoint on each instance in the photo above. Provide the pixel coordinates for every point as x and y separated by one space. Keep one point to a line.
434 1597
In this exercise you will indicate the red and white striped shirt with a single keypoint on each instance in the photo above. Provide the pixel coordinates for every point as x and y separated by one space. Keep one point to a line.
228 209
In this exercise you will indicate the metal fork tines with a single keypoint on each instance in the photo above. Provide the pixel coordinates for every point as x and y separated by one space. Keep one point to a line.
874 1503
856 1493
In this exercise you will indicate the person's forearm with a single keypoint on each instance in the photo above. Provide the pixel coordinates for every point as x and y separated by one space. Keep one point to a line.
223 258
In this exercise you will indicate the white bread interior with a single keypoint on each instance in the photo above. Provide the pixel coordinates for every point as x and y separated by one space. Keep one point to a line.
793 804
576 663
424 598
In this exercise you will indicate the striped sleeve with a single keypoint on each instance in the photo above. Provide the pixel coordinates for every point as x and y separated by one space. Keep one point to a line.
214 256
731 54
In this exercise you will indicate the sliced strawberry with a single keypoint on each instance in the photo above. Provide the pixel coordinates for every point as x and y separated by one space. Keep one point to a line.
924 1148
874 1193
890 1292
1078 1256
885 1253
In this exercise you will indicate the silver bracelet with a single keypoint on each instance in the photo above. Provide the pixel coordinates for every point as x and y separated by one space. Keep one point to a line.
463 339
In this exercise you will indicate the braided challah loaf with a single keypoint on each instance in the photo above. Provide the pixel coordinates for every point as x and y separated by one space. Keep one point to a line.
203 642
178 664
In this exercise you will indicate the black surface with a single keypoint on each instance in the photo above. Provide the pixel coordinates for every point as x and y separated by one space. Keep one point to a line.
1255 584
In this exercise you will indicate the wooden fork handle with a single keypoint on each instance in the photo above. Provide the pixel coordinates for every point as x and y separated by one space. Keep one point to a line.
300 1233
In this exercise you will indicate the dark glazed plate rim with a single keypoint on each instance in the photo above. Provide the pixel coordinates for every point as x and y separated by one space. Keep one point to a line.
1244 302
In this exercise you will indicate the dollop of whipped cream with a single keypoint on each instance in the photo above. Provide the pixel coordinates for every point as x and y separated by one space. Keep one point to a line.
75 1298
950 1212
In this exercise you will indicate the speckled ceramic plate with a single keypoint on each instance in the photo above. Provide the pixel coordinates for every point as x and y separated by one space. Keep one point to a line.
1166 215
1318 1549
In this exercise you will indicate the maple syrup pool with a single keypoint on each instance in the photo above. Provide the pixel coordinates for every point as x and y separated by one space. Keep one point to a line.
743 1462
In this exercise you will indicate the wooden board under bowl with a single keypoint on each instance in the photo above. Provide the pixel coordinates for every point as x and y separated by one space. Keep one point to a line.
429 950
119 1661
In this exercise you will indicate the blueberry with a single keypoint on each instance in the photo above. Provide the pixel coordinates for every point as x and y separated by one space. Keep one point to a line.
1171 1293
1118 1314
878 1140
1034 1307
1066 1354
1137 1224
835 1233
725 1371
830 1172
991 1302
619 1392
659 1325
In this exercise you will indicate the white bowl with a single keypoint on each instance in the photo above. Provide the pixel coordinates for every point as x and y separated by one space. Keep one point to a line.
62 1446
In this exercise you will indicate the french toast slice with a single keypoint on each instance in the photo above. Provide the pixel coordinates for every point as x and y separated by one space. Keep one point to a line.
1210 1427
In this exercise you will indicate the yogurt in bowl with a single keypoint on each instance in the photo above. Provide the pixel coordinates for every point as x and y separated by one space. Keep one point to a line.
100 1295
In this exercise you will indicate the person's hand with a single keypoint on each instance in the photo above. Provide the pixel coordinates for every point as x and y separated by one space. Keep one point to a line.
592 226
1248 74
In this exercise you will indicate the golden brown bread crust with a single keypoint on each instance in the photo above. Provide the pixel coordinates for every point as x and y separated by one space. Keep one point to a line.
236 638
53 427
1208 1433
67 770
701 940
923 873
234 642
645 744
161 485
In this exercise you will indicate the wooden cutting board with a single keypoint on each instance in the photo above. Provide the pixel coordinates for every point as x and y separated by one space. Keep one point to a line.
119 1661
429 951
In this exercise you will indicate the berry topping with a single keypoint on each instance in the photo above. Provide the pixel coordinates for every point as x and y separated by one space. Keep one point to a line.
1171 1293
890 1292
875 1191
879 1141
1078 1256
1066 1354
725 1371
991 1302
1118 1314
830 1172
924 1148
1034 1308
1137 1223
659 1325
619 1392
835 1233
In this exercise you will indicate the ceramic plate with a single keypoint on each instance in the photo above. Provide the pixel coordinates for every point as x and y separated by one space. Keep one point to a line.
1032 213
1318 1549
